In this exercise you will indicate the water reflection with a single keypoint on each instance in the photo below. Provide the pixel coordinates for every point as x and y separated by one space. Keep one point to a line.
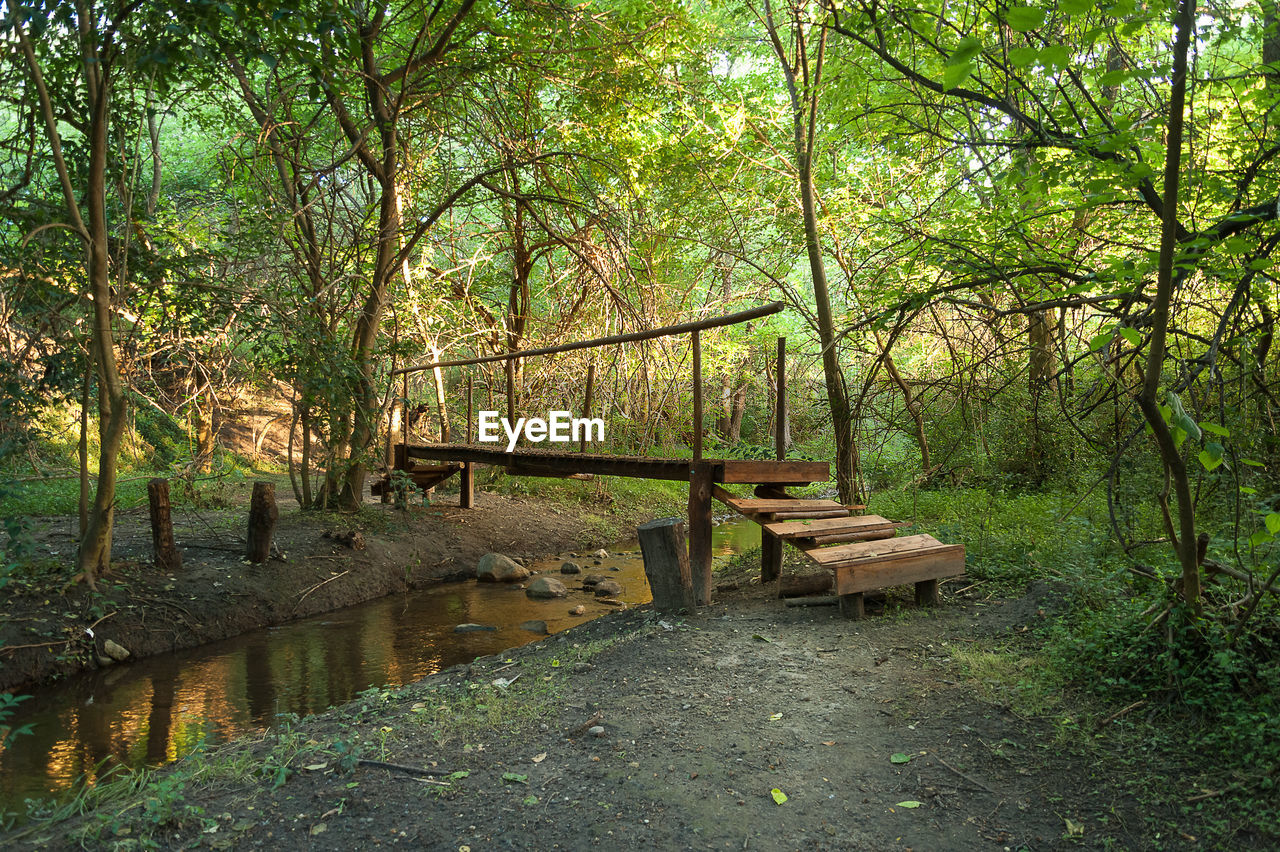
156 710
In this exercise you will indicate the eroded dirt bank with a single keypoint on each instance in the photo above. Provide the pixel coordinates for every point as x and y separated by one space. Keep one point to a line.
643 732
216 594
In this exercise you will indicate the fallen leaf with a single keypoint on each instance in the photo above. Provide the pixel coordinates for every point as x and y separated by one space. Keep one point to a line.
515 778
319 828
316 767
828 742
538 758
778 795
899 757
759 638
910 803
775 717
1074 829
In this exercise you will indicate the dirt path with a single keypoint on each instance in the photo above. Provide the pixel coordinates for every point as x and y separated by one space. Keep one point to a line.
868 728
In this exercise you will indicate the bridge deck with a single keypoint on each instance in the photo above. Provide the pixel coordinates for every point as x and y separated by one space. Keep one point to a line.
537 462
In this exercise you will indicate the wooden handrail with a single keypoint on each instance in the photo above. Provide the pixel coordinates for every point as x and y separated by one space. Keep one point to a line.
630 337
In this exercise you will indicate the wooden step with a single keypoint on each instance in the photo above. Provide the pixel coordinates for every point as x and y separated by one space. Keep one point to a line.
866 565
814 533
812 514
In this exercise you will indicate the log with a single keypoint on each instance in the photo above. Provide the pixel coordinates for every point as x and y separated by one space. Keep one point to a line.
168 557
263 515
799 585
666 564
821 600
700 474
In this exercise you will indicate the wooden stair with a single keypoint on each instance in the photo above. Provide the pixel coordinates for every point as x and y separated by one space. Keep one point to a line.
864 552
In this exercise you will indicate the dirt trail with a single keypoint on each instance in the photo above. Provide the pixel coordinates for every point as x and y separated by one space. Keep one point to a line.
702 718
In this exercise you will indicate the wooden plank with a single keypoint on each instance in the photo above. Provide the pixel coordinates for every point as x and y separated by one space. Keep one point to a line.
870 551
764 504
875 534
789 472
825 526
852 605
540 463
929 564
812 513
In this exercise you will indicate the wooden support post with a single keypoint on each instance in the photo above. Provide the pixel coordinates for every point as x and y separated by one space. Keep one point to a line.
470 404
851 606
700 531
586 405
666 564
467 486
263 515
511 390
404 412
770 556
780 405
168 557
927 593
697 395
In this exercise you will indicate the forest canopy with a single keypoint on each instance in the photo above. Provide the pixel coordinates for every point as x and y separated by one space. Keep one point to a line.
1024 246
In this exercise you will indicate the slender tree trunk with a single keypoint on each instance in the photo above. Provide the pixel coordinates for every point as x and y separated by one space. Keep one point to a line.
1174 463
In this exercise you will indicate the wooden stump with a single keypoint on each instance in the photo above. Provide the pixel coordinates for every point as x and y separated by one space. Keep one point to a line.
666 564
168 557
700 530
262 521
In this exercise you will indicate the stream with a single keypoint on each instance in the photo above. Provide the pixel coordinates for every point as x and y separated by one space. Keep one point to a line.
159 709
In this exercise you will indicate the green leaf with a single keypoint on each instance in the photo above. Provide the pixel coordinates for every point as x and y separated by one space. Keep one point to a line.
1054 57
961 63
1214 429
778 795
1260 537
899 757
1252 463
1114 78
759 638
1273 523
1178 416
1076 7
515 778
910 803
1021 57
1211 456
1100 341
1024 19
1131 335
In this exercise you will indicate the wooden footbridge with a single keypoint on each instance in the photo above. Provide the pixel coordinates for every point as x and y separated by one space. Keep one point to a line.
863 551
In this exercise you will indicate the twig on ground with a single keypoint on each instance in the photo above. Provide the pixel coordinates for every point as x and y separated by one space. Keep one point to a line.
1116 715
400 767
318 585
594 720
972 781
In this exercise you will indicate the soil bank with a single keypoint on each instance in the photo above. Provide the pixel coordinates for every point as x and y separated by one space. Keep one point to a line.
318 566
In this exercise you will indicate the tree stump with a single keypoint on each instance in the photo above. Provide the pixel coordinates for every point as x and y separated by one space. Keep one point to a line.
262 521
168 557
666 564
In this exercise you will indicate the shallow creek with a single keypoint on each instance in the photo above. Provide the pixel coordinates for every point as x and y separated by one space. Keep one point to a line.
156 710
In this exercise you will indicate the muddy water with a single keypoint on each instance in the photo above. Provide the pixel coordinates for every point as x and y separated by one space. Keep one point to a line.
159 709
